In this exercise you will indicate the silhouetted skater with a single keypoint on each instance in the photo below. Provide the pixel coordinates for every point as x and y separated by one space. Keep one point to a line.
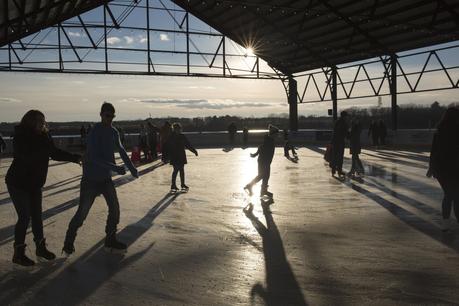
245 137
340 132
177 144
164 134
444 163
2 147
232 130
373 131
265 155
288 146
355 148
382 132
152 139
32 149
98 165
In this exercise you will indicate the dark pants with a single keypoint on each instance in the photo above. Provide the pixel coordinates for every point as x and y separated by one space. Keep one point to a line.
88 192
375 139
338 155
287 148
154 154
181 169
28 207
264 171
356 164
450 188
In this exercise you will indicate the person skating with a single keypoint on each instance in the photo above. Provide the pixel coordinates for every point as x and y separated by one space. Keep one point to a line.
355 148
288 146
177 143
444 165
32 149
340 132
2 147
265 155
98 165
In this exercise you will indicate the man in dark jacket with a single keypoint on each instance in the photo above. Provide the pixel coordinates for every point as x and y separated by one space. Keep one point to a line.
265 155
340 132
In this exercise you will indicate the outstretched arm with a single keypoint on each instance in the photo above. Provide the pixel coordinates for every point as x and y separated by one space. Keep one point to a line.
61 155
124 156
189 146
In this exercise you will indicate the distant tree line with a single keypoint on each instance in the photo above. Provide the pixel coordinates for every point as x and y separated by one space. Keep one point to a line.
409 117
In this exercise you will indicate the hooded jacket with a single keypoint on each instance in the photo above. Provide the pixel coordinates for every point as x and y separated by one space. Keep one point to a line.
31 154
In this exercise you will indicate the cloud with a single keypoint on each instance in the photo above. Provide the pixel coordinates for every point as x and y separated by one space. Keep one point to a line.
113 40
164 37
200 103
129 40
9 100
75 34
142 40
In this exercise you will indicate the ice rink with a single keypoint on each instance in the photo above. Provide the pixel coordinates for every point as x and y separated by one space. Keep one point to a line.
323 241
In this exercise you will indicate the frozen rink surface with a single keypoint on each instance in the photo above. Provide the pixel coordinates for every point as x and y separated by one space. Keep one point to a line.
323 241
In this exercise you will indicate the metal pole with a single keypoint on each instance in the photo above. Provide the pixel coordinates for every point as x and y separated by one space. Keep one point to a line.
148 35
393 89
224 56
187 45
293 103
334 93
59 45
105 38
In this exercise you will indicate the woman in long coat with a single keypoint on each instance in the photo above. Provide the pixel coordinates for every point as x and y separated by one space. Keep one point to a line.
32 149
177 143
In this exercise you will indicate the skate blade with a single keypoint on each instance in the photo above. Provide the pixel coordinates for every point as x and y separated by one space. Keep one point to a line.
43 260
115 251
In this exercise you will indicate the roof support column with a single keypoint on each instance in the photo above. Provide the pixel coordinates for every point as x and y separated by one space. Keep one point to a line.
393 89
293 103
334 92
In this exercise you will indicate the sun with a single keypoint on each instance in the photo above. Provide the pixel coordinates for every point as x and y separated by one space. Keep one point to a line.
249 51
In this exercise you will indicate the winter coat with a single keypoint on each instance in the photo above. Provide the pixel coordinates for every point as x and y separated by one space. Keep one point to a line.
355 145
444 154
31 154
265 152
176 145
340 132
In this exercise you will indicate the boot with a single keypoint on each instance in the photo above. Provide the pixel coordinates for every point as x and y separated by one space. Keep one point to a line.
112 244
42 251
19 256
68 248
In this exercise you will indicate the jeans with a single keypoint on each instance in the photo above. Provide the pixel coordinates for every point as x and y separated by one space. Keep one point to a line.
177 169
88 192
264 172
28 207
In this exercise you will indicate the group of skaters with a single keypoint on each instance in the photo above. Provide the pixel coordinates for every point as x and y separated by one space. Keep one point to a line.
378 132
33 147
335 151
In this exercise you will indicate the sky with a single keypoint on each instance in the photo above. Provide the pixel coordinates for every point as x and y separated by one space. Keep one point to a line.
75 97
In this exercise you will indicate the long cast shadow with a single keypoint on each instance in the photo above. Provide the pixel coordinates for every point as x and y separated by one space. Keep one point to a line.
378 171
409 218
7 231
420 158
281 285
397 160
90 271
